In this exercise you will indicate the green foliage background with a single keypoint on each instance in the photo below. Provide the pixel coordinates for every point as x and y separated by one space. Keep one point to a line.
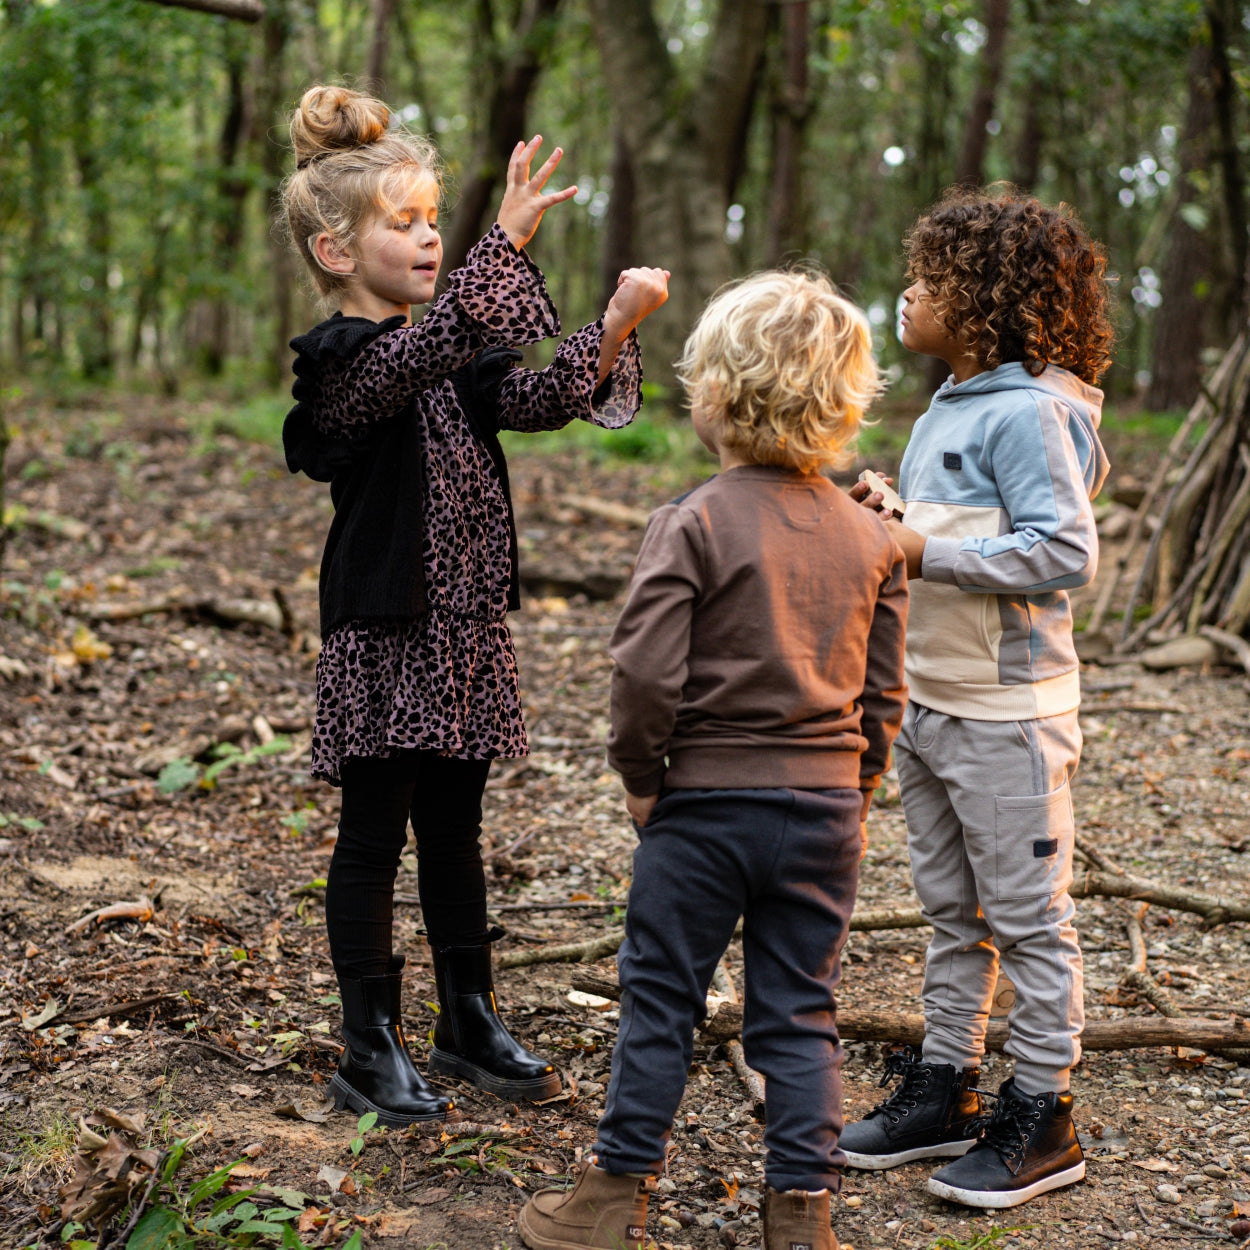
128 231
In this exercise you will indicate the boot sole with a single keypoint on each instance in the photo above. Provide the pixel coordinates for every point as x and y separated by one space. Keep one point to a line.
535 1089
346 1098
881 1163
998 1200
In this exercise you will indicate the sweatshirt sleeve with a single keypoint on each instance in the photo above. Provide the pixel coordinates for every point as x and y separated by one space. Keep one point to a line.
649 649
569 387
498 296
885 691
1052 542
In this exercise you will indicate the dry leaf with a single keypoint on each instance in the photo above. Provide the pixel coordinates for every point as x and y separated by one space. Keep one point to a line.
1155 1165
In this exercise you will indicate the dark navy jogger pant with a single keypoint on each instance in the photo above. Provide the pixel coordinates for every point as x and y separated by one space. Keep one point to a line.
787 862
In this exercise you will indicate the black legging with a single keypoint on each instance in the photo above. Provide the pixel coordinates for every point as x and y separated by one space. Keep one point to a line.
443 799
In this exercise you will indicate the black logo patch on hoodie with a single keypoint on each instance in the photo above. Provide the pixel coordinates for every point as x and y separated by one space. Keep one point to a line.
952 460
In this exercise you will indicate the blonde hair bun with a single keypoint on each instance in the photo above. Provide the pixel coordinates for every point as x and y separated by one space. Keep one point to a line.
371 166
335 119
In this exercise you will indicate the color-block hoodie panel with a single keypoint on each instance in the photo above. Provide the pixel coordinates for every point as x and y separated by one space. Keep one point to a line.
999 475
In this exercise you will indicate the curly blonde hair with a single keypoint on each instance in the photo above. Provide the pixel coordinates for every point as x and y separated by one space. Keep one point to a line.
350 163
786 363
1015 280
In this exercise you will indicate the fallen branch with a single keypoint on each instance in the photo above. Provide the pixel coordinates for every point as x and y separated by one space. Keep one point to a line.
1214 910
870 919
1086 884
1231 642
606 510
856 1025
586 952
1138 977
108 1010
240 10
140 909
723 983
271 613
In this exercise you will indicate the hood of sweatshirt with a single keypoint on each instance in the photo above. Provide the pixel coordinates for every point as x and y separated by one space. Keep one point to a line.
1083 401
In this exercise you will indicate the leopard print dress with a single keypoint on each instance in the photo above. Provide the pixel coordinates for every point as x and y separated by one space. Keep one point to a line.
447 681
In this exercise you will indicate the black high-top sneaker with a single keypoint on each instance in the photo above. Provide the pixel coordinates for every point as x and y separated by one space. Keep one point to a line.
1030 1146
934 1113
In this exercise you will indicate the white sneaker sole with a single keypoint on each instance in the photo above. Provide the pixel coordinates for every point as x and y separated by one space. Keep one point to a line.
880 1163
998 1200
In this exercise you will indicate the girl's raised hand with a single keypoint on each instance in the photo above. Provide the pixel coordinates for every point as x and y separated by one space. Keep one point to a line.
524 203
639 292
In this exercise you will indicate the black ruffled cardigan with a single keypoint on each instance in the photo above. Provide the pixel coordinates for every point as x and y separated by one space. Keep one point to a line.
372 567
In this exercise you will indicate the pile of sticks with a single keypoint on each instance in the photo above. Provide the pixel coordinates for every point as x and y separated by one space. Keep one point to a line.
1195 576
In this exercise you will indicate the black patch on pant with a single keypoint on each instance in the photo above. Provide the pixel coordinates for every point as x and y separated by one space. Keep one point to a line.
1044 850
952 460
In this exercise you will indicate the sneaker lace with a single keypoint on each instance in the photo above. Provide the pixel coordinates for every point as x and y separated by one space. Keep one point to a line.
1008 1129
906 1064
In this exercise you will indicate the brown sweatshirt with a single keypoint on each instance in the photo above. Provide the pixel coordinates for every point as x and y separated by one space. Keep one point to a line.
761 644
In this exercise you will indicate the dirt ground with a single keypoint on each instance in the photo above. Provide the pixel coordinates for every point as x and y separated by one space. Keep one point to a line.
208 1014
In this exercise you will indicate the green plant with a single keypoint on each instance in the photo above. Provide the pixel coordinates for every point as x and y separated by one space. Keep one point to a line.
980 1241
175 1215
48 1149
254 420
476 1154
363 1125
180 773
30 823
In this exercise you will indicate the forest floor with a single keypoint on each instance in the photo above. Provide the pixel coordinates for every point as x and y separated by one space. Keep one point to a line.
208 1012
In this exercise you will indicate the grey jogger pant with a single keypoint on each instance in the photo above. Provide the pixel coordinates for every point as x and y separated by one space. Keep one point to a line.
991 836
787 862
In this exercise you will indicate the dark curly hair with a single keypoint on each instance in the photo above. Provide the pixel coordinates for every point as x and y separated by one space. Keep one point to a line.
1014 280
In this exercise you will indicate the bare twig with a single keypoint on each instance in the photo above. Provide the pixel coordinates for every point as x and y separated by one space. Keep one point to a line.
140 909
240 10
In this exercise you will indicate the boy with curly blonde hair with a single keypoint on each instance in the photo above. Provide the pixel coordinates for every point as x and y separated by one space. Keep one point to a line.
756 691
998 479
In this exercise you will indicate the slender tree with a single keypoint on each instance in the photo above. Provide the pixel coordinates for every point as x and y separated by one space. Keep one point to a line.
687 141
1183 319
790 106
970 168
514 71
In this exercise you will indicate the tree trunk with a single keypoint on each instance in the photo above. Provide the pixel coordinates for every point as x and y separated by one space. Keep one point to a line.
4 447
375 66
687 146
1182 320
95 327
619 250
989 74
1027 158
232 191
791 108
1223 18
267 114
511 86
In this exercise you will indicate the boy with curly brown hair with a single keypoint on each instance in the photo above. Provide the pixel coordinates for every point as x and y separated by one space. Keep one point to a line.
998 479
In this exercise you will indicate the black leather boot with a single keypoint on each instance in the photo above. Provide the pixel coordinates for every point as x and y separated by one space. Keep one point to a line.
471 1041
376 1072
934 1113
1030 1147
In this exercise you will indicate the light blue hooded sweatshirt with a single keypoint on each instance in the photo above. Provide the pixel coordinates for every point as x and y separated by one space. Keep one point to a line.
999 475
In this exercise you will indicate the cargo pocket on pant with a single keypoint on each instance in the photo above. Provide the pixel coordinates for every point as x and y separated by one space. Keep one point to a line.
1033 841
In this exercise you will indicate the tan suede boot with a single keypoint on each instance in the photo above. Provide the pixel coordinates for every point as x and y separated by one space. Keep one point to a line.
601 1211
797 1220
